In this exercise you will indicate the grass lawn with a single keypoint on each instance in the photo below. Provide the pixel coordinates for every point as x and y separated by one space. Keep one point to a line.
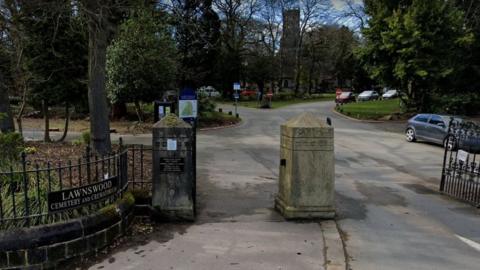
216 119
282 103
371 109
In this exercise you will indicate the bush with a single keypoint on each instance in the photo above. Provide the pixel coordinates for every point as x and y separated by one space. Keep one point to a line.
205 105
86 138
11 145
458 104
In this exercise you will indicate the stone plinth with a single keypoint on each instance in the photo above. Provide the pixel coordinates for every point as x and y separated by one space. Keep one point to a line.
173 169
307 169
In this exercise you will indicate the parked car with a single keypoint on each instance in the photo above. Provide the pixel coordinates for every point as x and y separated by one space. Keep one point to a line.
248 93
208 91
390 94
431 128
368 95
345 97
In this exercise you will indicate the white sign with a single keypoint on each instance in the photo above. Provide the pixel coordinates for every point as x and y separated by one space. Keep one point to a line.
171 145
161 113
462 156
236 86
187 108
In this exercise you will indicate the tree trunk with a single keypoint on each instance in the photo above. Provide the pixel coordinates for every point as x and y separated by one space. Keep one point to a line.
97 96
6 118
139 111
67 121
21 111
46 117
119 110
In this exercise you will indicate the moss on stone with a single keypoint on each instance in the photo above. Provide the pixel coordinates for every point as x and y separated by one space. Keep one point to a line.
171 120
112 209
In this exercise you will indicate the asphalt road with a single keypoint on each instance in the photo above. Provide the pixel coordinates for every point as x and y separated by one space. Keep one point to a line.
386 191
388 207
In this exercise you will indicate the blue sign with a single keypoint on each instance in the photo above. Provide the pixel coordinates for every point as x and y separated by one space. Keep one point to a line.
236 96
236 86
188 93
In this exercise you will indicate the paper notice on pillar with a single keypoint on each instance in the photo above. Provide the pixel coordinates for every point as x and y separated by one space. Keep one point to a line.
171 145
187 108
462 156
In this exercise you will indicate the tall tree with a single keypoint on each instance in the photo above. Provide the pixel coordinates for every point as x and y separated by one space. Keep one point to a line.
141 62
237 21
103 17
11 14
414 46
6 117
55 56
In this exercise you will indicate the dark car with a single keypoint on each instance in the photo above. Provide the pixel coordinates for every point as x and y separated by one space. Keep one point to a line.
432 128
345 97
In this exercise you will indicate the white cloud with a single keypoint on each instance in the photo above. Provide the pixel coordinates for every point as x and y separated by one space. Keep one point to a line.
340 4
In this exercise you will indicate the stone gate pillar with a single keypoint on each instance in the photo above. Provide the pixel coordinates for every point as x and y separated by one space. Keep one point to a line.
307 169
173 169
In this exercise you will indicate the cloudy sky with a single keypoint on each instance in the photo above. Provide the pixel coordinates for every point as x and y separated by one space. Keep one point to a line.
340 4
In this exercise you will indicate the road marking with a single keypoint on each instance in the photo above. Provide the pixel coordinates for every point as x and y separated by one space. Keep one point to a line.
469 242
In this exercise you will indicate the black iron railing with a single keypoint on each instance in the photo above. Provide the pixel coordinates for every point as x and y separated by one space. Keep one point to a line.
140 167
461 166
37 192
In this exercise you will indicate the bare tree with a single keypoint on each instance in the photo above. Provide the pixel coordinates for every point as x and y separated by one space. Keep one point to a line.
353 14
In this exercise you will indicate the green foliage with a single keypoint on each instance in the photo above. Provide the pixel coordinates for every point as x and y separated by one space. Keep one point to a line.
11 145
141 62
457 104
414 46
55 52
86 137
205 105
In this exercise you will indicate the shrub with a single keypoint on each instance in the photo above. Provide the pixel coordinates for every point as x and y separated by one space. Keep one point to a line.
458 104
86 137
205 105
11 145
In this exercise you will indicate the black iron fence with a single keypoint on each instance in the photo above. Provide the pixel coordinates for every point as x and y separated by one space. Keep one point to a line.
35 192
461 165
140 167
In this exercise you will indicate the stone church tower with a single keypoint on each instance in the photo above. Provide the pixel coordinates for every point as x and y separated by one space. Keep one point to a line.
288 46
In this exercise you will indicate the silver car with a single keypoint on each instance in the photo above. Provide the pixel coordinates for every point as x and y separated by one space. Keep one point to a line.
368 95
431 128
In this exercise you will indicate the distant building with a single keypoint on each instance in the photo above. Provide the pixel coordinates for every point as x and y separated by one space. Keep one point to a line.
289 46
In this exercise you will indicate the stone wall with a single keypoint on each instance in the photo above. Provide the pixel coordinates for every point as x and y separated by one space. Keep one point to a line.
55 245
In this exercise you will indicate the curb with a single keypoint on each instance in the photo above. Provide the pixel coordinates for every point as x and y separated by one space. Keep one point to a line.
365 121
335 253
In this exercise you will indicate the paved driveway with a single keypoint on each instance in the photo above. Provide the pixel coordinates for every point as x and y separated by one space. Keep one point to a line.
388 207
387 200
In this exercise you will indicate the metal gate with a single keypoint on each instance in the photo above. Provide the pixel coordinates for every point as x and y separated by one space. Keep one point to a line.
461 164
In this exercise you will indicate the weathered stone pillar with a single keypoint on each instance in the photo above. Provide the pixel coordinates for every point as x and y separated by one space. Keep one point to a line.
173 183
307 169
